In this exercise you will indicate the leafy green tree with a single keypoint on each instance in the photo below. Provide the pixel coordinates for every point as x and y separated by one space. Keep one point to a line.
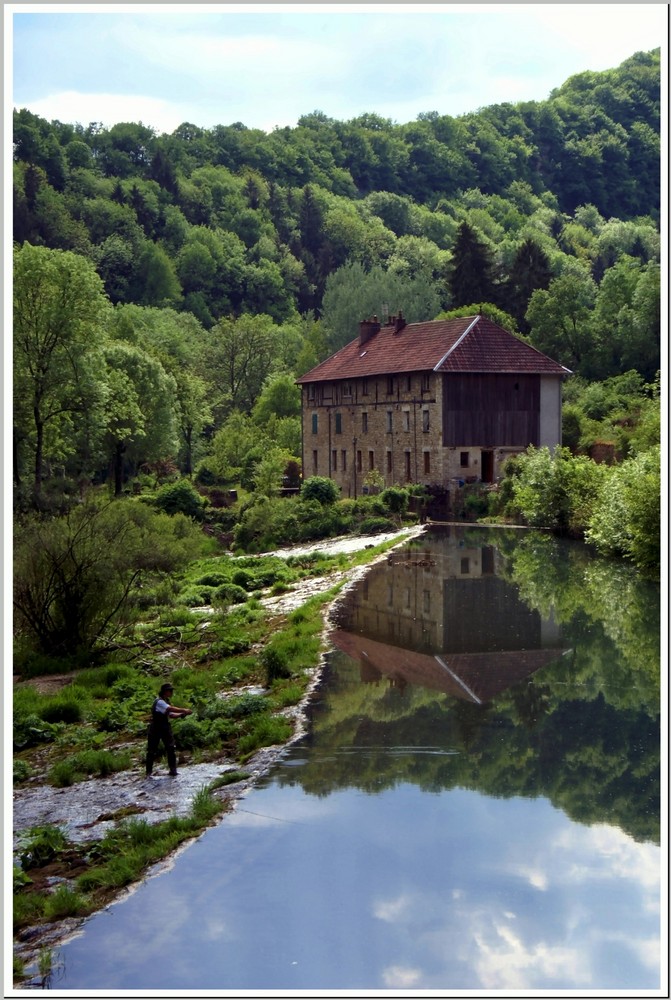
352 293
279 397
194 413
231 444
560 320
482 309
269 471
140 410
76 578
627 519
241 356
116 261
59 308
396 500
155 278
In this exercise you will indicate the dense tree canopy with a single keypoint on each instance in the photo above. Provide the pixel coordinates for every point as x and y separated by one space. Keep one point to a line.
271 247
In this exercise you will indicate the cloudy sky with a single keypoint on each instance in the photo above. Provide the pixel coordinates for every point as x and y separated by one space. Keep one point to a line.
266 65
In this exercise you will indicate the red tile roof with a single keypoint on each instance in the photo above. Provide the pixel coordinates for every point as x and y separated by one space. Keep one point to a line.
467 344
476 677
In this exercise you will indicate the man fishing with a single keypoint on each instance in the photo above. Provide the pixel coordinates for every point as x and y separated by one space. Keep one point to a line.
160 730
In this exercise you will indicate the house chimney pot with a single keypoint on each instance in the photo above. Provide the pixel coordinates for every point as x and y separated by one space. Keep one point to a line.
367 329
399 322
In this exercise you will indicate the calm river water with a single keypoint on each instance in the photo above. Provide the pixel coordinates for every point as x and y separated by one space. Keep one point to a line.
476 806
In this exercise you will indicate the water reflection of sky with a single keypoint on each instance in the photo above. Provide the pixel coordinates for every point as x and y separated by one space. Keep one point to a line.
398 891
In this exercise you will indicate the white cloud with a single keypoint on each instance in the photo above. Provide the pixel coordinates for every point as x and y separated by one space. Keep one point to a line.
74 107
391 910
398 977
606 34
505 962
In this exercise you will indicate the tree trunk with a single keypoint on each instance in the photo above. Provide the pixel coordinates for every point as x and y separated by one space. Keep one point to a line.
39 450
119 450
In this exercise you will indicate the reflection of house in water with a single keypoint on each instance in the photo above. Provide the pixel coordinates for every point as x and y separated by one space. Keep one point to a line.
441 618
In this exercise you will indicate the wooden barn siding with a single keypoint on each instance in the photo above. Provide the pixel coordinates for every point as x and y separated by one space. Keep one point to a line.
491 410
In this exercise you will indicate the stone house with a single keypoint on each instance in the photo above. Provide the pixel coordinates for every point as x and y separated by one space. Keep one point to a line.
438 403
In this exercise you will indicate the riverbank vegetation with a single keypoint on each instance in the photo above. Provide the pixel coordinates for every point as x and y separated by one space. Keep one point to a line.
242 668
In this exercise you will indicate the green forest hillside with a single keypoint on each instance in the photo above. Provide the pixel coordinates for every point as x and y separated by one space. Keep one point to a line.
169 288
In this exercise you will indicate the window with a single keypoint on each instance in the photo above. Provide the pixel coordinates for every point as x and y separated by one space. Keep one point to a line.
364 423
334 460
311 392
463 459
406 420
426 382
425 420
390 384
426 601
407 465
364 386
427 462
390 462
315 461
315 423
371 459
358 460
465 565
343 458
408 383
338 423
390 421
347 389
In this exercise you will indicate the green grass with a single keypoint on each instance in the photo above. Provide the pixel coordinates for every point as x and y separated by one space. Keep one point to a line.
87 763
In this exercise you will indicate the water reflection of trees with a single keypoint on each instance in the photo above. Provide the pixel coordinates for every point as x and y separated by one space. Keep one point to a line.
582 731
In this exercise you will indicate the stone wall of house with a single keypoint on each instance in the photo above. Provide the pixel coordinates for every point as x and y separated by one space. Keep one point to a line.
392 425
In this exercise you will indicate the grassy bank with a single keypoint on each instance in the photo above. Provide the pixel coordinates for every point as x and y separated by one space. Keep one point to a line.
240 665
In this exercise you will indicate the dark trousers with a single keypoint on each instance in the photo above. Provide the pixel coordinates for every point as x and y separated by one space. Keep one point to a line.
153 740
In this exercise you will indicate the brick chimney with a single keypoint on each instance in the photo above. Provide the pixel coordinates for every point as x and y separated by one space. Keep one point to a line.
399 322
367 329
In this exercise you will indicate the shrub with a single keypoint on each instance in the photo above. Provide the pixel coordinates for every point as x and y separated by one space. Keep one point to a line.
62 708
21 771
627 519
43 845
229 593
396 500
265 732
319 488
180 498
31 730
275 663
112 718
76 577
211 580
557 491
192 597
